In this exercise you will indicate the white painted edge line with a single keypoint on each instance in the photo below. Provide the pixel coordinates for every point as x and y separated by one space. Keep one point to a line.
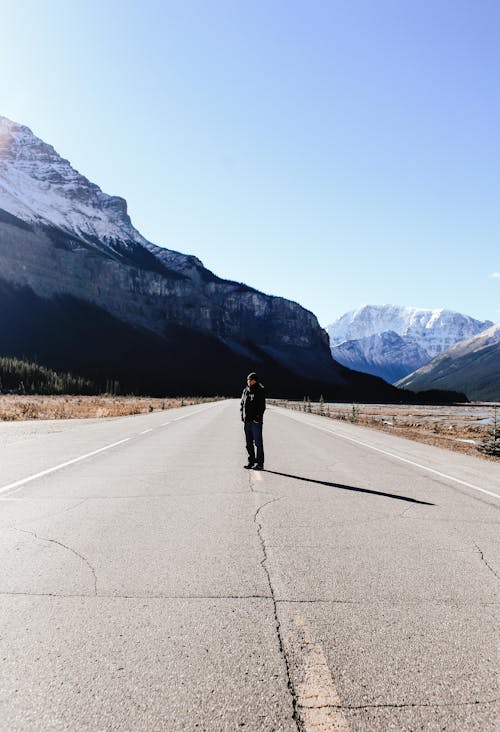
19 483
397 457
23 481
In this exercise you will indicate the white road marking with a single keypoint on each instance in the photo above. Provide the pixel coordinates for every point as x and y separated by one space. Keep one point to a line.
203 409
397 457
318 701
18 483
164 424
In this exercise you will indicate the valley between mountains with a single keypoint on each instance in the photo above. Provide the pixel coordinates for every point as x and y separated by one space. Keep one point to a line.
83 292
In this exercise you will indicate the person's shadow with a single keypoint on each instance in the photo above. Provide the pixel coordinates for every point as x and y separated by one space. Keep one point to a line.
351 488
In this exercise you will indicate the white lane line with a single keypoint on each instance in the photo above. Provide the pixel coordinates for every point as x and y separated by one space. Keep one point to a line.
397 457
145 431
23 481
183 416
19 483
196 412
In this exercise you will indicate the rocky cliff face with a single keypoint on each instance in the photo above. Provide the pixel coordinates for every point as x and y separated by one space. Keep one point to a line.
392 341
61 235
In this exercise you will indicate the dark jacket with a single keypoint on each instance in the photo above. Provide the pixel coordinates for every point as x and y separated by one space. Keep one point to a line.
253 403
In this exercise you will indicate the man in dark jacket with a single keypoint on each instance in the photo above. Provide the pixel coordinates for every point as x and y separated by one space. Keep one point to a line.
253 405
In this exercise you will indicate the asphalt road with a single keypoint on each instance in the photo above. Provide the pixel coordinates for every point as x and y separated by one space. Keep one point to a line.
149 582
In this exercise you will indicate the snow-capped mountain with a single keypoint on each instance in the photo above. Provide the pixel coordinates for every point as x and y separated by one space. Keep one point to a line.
142 312
387 354
392 341
471 366
38 186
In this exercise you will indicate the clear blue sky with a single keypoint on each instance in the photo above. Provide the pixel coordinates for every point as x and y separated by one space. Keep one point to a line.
335 152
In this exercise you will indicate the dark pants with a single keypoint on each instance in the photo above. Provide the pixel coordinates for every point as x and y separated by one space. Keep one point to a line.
253 434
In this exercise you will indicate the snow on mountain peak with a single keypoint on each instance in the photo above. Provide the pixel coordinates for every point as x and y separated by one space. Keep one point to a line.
477 342
38 185
410 321
359 339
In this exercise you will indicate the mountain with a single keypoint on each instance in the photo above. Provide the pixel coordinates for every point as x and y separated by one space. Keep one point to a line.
471 366
391 341
82 291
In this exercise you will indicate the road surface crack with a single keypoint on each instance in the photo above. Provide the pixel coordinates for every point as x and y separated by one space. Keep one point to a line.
275 607
437 705
139 597
286 601
62 510
485 561
64 546
405 511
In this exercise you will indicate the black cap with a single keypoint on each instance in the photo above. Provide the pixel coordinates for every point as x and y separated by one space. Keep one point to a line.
252 375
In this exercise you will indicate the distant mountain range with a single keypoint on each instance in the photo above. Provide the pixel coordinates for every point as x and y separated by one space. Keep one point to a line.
393 341
82 291
471 366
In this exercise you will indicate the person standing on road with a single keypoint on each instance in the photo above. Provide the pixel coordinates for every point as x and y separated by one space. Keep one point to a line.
253 405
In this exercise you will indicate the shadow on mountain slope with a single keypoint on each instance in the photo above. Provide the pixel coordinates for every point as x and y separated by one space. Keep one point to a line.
67 334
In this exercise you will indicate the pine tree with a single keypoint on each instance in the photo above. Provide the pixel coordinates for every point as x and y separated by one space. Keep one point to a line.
355 414
491 443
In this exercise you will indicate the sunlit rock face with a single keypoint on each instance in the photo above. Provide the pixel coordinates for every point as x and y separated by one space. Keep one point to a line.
392 341
60 234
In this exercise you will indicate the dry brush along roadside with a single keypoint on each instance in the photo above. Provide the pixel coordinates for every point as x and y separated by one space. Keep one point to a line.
473 429
17 407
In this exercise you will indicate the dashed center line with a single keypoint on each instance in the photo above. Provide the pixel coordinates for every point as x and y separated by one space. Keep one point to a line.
146 431
203 409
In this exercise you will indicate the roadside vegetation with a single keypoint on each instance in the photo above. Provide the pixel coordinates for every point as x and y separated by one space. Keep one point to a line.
27 377
31 391
473 429
490 444
15 407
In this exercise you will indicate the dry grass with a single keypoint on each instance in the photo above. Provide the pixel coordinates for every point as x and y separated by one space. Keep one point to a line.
14 408
461 428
